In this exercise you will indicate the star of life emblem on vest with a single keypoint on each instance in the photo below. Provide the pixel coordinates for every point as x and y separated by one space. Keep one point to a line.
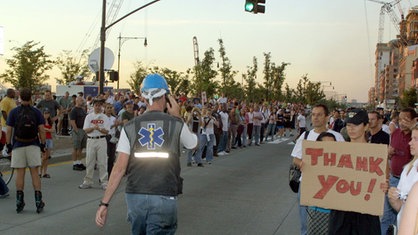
151 136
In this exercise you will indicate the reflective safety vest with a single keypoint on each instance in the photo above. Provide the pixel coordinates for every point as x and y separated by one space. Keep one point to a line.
154 165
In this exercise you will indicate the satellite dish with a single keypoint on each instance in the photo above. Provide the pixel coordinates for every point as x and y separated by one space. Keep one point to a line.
94 59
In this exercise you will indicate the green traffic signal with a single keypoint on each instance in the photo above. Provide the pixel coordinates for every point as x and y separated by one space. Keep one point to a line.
255 6
249 6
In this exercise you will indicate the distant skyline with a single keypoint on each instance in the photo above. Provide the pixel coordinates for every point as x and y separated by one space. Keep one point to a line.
331 41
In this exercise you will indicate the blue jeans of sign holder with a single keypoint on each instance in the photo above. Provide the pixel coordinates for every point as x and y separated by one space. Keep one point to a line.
389 214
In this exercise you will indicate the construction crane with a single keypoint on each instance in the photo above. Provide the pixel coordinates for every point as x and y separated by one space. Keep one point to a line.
387 7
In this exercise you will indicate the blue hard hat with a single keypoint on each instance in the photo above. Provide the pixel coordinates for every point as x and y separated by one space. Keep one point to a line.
154 81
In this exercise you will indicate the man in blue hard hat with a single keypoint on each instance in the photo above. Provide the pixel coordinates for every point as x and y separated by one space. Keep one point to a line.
149 151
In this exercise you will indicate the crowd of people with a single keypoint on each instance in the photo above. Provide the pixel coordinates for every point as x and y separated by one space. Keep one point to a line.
397 130
207 129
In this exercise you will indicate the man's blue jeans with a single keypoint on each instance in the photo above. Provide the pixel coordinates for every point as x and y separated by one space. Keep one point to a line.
303 215
152 214
389 214
256 133
203 141
223 141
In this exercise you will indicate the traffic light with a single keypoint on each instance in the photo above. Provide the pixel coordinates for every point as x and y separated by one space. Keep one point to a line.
255 6
113 76
249 5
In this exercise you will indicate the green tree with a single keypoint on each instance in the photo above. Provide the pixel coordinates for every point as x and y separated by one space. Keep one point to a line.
71 67
409 98
229 86
137 77
268 81
204 75
278 76
176 81
27 67
289 94
308 92
274 77
250 80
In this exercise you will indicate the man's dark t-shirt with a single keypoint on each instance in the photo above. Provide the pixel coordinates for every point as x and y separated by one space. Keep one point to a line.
380 137
78 115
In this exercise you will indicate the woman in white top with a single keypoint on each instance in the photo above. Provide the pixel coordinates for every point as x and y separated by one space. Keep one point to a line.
399 195
207 135
249 117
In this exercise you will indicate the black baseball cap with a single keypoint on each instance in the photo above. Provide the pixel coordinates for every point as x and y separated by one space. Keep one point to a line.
357 116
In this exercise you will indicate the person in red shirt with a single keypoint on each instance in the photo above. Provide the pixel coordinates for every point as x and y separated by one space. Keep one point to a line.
399 156
49 128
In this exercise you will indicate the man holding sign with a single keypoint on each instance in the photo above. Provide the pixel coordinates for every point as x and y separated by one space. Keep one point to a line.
319 120
352 173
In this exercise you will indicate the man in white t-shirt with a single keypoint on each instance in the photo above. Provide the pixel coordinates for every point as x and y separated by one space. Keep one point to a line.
319 120
149 155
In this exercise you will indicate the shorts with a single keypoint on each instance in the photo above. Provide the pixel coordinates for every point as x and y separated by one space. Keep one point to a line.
79 139
49 144
27 156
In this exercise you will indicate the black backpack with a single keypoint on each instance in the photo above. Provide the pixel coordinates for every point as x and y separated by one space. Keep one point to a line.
26 127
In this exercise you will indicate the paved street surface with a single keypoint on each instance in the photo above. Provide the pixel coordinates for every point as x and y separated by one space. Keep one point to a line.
245 192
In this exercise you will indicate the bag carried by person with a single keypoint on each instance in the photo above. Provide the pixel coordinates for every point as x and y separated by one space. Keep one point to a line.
26 129
295 173
294 176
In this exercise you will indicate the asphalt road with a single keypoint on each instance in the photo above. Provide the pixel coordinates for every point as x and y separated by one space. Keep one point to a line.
245 192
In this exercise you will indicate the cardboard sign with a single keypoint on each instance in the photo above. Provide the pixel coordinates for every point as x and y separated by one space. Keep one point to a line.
344 176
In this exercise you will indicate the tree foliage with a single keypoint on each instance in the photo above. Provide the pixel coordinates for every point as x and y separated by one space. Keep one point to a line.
229 86
71 67
409 98
204 78
137 77
306 92
204 75
250 80
176 81
28 67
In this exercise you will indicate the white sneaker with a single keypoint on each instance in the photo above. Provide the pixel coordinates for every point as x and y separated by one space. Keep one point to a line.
84 186
222 153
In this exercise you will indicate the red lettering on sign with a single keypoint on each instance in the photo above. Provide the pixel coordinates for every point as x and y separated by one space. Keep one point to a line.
326 185
315 153
361 164
330 160
343 186
370 189
374 165
371 164
345 161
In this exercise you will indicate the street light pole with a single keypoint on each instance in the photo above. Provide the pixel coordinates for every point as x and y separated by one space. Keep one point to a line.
121 41
103 37
102 47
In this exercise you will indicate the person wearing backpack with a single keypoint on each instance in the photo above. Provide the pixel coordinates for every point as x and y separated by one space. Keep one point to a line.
25 135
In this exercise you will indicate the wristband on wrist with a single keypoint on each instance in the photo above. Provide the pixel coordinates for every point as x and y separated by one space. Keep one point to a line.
103 204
